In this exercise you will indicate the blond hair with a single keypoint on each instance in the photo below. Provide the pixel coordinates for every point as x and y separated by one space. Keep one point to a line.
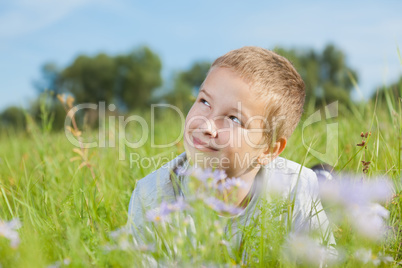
274 78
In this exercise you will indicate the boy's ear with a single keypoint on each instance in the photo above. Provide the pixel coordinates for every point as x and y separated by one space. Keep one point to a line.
272 152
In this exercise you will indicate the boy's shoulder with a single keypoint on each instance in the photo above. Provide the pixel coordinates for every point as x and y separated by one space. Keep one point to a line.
149 192
289 176
286 166
299 185
158 184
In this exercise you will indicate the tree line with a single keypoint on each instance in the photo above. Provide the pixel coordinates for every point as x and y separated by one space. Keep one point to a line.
131 81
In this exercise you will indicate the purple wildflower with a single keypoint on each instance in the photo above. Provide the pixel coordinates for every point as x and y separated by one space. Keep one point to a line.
202 174
155 216
165 209
205 174
357 202
235 182
219 175
351 192
220 206
161 213
182 171
122 238
180 204
217 179
123 231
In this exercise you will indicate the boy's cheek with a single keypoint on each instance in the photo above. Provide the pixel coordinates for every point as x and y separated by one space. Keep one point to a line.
186 139
253 139
224 141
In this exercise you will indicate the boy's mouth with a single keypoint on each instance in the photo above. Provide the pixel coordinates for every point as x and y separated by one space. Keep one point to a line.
203 146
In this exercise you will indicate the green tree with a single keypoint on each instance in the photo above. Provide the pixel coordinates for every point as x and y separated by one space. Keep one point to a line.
326 74
90 79
12 118
127 80
50 78
390 94
137 75
48 104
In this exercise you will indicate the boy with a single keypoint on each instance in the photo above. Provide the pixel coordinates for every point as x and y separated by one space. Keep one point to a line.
247 107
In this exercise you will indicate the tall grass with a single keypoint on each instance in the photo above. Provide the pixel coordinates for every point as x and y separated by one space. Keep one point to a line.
67 213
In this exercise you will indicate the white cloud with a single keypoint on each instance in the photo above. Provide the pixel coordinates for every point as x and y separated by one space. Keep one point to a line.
25 16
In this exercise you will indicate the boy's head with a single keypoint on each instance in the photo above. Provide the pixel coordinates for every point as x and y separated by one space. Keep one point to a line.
247 107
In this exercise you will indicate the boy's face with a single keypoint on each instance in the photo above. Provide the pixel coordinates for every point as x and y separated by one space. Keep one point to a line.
224 128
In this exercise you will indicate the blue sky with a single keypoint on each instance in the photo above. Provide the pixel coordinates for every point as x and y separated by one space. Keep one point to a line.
35 32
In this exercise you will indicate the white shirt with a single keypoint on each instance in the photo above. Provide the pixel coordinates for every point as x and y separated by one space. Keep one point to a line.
281 177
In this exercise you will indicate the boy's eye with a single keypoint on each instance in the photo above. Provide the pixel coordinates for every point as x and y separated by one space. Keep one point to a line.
205 102
235 119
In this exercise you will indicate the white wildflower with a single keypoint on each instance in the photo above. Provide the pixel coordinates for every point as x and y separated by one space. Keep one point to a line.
8 230
369 221
366 256
124 241
302 248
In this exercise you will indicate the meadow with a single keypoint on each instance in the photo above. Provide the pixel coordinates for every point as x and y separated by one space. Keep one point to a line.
69 202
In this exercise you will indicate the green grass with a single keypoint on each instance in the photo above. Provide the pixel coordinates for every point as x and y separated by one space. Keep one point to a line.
68 213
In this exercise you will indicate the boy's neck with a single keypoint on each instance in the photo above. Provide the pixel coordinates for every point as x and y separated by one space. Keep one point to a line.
244 195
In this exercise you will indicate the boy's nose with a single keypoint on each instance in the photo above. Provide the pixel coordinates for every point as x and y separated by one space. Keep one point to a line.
208 127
